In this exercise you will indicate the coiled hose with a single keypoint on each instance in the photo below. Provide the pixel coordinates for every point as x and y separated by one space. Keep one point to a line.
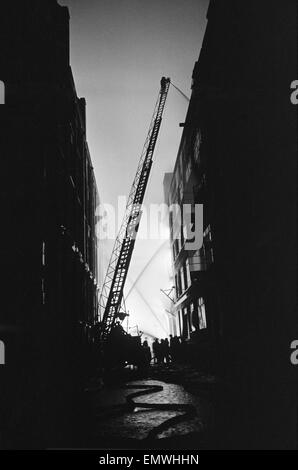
188 410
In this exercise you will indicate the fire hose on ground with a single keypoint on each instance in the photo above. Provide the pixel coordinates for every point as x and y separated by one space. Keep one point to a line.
188 411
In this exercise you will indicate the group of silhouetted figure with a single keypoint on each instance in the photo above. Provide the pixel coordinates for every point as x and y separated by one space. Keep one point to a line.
122 349
164 351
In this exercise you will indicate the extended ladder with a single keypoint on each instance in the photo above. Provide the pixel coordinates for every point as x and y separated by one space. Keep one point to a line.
112 292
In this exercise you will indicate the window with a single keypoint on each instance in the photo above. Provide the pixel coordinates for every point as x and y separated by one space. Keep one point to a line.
202 314
2 353
188 273
178 245
171 221
188 172
175 249
197 145
179 283
185 332
182 279
2 92
180 321
208 250
180 190
174 252
185 276
176 285
193 322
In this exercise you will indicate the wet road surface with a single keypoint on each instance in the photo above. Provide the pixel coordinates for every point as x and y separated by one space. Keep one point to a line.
149 410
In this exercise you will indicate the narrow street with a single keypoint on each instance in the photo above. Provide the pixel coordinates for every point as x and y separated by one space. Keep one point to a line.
149 242
152 412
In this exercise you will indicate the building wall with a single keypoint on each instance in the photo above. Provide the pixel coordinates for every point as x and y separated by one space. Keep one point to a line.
192 266
49 246
249 148
240 139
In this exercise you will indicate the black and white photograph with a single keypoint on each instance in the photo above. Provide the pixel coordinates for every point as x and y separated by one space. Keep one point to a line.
148 247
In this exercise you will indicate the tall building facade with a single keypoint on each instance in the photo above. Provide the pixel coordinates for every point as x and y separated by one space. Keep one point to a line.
239 151
191 263
49 246
195 311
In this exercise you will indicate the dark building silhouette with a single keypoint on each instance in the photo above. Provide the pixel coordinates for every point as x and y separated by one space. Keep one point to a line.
49 281
240 145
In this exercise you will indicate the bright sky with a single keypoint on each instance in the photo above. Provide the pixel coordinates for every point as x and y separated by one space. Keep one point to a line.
120 49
